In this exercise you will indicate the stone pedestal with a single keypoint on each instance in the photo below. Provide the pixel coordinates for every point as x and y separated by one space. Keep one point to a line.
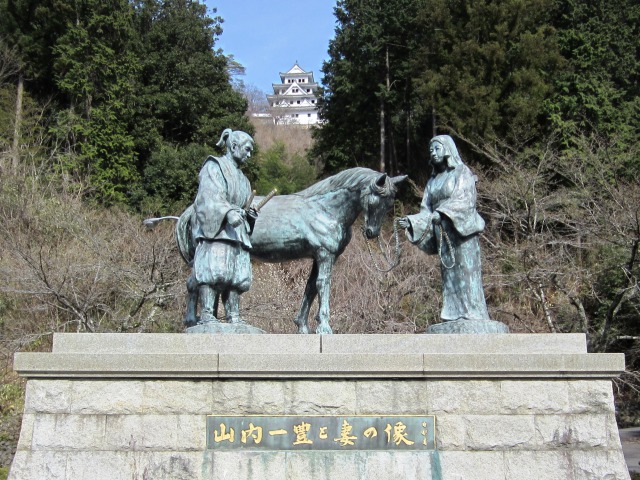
135 406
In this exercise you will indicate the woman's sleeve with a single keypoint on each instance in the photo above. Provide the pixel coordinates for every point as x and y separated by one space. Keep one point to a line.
460 208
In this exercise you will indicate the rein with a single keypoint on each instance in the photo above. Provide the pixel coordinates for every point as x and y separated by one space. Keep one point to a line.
445 235
392 264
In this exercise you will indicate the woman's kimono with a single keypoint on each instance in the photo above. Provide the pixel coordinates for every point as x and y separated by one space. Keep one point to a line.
452 193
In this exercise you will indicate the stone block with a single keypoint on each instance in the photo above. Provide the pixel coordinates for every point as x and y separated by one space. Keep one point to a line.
451 432
48 396
235 465
547 465
26 431
127 343
599 465
457 465
386 465
141 432
39 465
178 396
102 465
360 465
320 365
499 432
553 431
583 431
107 397
463 396
591 396
248 397
191 433
459 343
381 396
535 396
593 431
68 432
321 397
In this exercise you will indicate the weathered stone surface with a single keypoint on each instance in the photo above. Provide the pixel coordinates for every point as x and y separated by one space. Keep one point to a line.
375 397
37 465
26 431
550 465
60 431
599 465
100 396
589 396
451 432
179 396
470 396
48 396
322 397
458 343
360 465
237 398
524 396
232 465
192 344
499 432
474 465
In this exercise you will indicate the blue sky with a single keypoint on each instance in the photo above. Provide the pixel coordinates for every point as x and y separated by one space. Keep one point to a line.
268 36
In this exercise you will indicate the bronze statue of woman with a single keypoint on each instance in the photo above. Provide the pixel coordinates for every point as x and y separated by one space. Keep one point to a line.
448 224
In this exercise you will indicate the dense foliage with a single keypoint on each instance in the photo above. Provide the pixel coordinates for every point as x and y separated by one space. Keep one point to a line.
121 83
501 75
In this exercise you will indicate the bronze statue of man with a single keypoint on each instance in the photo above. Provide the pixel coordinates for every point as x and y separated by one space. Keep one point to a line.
222 226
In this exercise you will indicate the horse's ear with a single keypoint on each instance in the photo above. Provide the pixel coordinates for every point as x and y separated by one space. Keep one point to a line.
381 181
399 179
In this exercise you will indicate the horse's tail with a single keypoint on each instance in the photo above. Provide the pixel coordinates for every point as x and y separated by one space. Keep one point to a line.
184 238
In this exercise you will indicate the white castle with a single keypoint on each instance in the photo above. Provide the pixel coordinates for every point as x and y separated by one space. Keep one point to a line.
294 99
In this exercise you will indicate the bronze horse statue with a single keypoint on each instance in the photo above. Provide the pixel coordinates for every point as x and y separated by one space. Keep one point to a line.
314 223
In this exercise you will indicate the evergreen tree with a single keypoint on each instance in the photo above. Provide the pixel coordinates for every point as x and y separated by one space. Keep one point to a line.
401 71
485 69
184 94
367 85
599 91
95 69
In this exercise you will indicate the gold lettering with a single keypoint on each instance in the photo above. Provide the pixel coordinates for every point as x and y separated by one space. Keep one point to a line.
301 432
252 432
371 432
399 434
222 436
345 435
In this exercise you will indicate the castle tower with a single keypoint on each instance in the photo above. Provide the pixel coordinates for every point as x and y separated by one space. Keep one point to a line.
294 99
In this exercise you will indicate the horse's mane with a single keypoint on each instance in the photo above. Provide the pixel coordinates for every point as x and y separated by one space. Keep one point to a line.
351 179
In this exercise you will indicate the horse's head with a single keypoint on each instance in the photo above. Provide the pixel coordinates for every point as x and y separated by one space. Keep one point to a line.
377 201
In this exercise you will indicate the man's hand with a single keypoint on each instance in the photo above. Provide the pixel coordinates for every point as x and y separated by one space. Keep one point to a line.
234 218
252 213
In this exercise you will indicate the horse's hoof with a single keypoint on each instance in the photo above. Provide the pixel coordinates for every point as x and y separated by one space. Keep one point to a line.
190 321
